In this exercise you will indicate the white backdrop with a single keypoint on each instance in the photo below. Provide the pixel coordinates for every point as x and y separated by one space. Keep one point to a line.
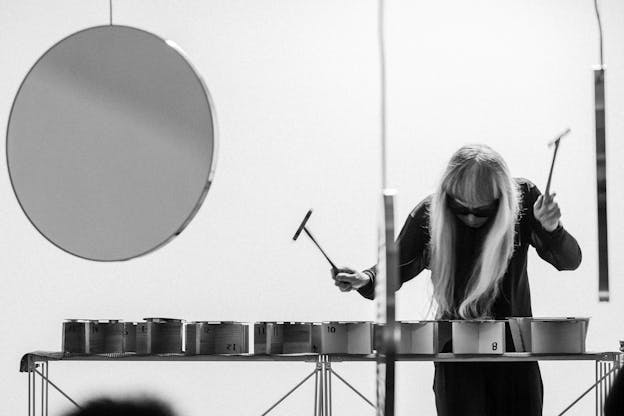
296 90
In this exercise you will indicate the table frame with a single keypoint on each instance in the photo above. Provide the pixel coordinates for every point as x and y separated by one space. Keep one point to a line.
36 364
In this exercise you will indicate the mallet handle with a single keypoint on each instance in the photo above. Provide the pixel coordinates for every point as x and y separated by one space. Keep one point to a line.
552 166
319 247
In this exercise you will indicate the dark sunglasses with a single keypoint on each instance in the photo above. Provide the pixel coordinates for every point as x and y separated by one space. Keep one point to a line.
482 212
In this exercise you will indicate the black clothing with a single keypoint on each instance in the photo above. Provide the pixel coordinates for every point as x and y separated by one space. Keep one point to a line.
558 248
487 389
614 405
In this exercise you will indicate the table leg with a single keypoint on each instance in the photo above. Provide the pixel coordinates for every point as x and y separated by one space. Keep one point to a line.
316 392
29 389
329 388
34 390
324 385
596 393
42 389
47 374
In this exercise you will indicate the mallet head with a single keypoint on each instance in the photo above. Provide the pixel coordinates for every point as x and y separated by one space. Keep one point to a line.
558 138
303 224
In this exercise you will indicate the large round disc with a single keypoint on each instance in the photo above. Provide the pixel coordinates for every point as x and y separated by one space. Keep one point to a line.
111 143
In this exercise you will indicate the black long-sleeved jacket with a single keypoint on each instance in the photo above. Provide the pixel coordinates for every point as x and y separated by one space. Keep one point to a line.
558 248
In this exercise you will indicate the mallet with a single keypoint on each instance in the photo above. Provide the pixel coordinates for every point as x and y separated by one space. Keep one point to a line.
303 227
555 143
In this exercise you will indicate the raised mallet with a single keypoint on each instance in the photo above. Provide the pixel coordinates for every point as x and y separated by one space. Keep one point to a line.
555 143
303 227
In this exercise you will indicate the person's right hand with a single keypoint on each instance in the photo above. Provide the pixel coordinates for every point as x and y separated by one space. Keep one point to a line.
348 279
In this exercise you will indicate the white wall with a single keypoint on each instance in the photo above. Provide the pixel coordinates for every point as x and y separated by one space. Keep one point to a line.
295 84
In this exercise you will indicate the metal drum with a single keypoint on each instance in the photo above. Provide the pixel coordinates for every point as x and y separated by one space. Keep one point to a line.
191 338
159 336
82 336
275 337
359 337
478 336
260 338
301 338
558 335
268 337
114 339
351 337
130 336
229 337
520 328
424 337
333 338
215 337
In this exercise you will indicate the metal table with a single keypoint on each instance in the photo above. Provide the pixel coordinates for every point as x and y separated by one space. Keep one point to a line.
37 364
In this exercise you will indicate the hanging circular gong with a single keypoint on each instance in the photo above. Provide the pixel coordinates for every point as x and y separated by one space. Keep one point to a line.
111 143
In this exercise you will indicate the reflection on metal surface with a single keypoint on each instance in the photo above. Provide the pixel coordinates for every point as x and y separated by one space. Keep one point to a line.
111 143
601 184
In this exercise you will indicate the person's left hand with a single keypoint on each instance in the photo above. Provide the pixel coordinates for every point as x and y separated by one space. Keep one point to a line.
547 212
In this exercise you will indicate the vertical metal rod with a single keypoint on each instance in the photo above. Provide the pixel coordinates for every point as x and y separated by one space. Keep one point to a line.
596 389
608 380
606 384
316 388
611 377
34 390
329 378
47 374
325 392
42 389
602 387
320 385
607 369
382 92
601 184
29 389
599 389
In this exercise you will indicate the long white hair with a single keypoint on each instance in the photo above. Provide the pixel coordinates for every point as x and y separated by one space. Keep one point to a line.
477 175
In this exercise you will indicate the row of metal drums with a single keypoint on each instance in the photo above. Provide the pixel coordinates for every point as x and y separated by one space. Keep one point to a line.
152 336
174 336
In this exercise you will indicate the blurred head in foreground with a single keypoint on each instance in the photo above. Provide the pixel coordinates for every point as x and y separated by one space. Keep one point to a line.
126 407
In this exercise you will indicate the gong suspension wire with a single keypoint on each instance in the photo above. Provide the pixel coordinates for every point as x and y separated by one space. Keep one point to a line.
599 32
382 75
110 10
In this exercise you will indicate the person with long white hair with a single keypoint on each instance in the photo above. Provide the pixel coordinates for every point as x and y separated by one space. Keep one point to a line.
473 233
